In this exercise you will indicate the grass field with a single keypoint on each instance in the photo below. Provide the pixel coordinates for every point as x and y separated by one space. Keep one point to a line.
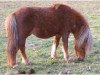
38 50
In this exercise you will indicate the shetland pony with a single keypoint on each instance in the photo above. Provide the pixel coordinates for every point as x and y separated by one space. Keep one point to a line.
58 20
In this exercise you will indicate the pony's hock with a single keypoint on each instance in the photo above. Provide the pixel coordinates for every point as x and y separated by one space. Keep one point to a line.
58 20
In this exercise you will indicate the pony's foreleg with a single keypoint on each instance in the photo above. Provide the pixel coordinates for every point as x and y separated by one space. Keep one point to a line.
65 47
23 53
55 45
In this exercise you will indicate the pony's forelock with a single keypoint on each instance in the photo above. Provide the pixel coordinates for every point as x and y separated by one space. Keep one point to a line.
85 35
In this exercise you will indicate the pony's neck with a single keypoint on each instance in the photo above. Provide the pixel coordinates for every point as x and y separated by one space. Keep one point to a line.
80 25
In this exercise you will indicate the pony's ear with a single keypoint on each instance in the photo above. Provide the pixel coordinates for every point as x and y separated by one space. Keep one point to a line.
62 7
57 6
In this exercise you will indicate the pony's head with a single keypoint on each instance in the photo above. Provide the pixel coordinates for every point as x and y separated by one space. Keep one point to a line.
78 25
83 37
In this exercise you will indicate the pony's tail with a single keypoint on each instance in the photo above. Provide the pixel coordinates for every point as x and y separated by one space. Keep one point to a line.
84 38
12 35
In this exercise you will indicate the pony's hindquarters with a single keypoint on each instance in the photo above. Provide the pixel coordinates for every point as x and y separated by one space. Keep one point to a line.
12 43
83 43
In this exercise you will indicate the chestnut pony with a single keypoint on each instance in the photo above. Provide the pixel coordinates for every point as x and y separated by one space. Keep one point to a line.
58 20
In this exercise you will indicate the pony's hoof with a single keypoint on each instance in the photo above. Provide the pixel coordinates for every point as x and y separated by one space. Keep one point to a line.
15 66
27 63
68 59
53 56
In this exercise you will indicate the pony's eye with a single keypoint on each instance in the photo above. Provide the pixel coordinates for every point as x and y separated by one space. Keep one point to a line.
82 48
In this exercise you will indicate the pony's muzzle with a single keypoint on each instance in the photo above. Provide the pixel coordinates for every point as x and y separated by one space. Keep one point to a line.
80 54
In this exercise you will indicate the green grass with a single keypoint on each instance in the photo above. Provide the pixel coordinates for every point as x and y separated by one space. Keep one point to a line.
38 50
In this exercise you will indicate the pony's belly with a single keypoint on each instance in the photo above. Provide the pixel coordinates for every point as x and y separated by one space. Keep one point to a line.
43 34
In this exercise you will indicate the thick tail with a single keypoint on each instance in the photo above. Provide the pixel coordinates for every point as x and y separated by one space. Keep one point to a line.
12 35
84 39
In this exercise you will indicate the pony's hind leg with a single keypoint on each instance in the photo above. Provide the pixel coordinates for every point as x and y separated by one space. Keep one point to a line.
65 47
55 45
22 49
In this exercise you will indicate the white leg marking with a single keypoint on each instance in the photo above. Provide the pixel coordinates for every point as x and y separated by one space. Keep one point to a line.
67 57
53 51
25 61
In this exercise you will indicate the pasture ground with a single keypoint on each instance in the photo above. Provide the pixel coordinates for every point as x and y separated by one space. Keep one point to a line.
38 50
